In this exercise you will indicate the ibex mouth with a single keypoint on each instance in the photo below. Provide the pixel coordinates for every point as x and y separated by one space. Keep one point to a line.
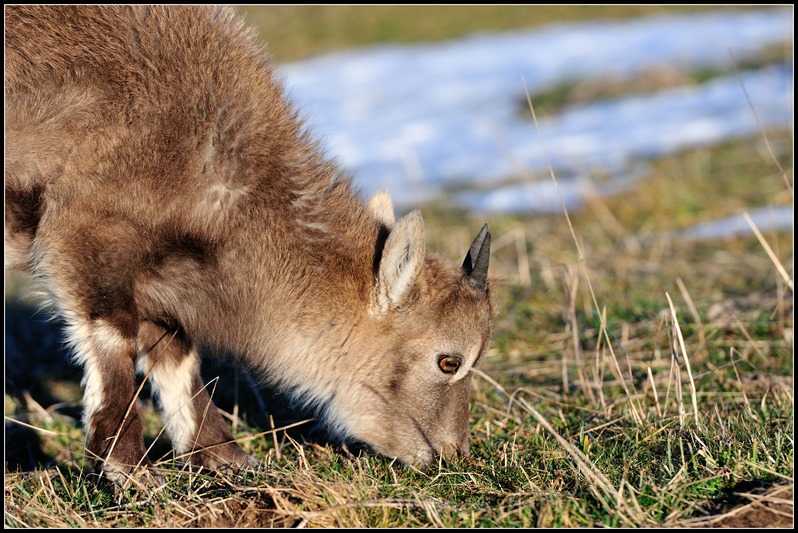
451 450
448 451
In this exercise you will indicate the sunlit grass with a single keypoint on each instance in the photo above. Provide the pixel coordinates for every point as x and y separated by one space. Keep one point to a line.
295 32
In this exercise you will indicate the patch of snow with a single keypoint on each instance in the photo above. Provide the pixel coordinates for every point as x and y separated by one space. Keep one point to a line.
419 120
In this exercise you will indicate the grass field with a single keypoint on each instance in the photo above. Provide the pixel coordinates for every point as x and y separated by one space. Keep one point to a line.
295 32
634 379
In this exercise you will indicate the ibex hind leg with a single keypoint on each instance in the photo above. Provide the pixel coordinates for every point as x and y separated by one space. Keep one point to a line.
197 430
81 266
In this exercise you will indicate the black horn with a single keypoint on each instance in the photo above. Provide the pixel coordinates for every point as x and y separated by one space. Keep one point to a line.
475 266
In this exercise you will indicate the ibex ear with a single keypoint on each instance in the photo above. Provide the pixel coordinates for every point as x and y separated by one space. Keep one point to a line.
401 262
381 207
475 265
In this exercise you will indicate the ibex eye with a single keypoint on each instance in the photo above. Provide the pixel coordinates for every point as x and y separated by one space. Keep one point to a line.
449 363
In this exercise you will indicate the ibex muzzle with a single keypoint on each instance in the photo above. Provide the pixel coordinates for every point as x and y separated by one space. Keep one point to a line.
162 189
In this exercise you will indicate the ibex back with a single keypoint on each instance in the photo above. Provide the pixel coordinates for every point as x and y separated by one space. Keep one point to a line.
162 189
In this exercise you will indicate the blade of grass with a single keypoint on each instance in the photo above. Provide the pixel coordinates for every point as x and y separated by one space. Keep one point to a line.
693 311
759 124
680 338
572 285
654 390
769 251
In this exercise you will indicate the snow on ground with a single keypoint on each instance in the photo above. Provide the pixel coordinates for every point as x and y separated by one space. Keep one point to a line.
421 119
764 217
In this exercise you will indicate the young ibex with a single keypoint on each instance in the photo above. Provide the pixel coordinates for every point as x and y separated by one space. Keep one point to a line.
160 185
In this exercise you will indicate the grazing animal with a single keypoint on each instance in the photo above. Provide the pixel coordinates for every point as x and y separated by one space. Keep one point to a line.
166 194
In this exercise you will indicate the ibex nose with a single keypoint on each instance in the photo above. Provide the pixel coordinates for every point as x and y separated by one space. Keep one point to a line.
452 449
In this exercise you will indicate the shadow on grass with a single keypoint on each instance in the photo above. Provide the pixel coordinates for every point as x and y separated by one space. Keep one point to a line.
38 376
756 503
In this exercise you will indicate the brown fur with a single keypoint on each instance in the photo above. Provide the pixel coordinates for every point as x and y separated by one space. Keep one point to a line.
164 191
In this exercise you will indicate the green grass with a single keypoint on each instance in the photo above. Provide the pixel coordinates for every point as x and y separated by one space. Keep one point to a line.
295 32
580 417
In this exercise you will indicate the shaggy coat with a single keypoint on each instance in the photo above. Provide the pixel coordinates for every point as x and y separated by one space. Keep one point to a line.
165 193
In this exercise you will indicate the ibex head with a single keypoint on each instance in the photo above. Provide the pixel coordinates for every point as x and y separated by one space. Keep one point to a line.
427 325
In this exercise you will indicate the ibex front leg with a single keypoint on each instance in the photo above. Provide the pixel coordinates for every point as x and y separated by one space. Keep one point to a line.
198 432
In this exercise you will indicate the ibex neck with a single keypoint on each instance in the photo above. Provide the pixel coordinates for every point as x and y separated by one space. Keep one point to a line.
305 283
